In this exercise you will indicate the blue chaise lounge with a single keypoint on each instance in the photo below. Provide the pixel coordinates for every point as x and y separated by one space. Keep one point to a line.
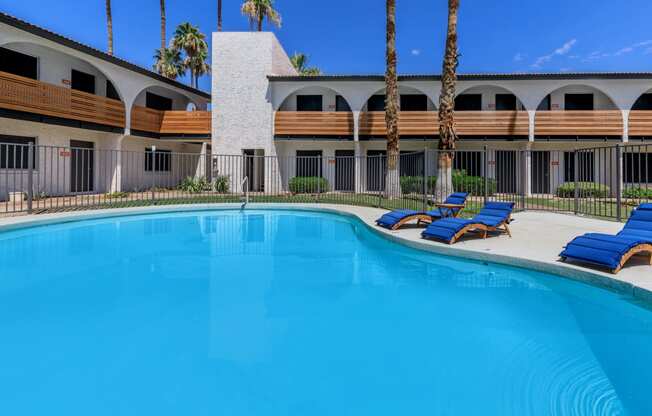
495 216
450 208
613 251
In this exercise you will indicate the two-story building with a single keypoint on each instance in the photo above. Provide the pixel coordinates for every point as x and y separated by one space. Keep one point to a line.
94 118
268 109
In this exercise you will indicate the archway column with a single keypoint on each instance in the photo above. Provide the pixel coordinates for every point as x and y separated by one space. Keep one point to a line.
357 152
625 114
531 124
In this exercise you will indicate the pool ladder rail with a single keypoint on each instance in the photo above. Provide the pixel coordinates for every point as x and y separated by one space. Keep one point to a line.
245 191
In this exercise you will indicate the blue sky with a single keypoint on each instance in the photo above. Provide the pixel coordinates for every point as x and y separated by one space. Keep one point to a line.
347 36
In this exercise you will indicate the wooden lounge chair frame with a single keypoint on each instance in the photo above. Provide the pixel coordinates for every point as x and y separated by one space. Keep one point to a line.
427 219
503 227
639 249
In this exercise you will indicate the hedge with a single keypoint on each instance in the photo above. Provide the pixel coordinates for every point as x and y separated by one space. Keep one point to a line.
474 185
637 193
585 190
308 185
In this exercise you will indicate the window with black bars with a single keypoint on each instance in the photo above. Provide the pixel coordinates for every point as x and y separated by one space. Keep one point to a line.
14 152
162 160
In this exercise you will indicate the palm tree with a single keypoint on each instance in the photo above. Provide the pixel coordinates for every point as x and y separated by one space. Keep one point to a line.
447 135
219 15
189 39
259 10
392 183
300 63
163 43
109 27
168 63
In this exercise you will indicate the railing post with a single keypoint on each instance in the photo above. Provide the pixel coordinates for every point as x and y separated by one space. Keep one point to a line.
524 178
486 174
425 179
619 183
153 172
576 174
30 177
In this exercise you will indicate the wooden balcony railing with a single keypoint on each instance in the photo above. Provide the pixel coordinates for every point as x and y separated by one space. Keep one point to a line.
468 123
24 94
171 122
313 123
579 123
640 123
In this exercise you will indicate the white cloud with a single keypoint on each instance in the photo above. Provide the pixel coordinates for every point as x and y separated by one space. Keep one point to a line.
562 50
415 52
594 56
519 57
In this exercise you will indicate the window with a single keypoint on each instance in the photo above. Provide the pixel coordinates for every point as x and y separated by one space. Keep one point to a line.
18 63
469 162
82 81
505 102
14 152
468 102
310 103
157 102
644 102
341 104
637 167
162 160
582 102
376 103
586 164
414 102
545 104
111 92
309 162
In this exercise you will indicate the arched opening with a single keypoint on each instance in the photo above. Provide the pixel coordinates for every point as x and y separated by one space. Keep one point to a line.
314 112
47 82
150 106
640 117
576 97
410 100
487 98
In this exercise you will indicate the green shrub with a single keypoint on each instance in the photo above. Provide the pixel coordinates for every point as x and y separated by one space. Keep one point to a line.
585 190
195 186
637 193
474 185
117 195
221 184
414 184
308 185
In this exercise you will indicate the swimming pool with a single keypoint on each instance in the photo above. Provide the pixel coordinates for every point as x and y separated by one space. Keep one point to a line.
272 312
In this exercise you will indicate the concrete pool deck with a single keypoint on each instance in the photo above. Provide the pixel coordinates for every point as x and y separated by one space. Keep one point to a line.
537 239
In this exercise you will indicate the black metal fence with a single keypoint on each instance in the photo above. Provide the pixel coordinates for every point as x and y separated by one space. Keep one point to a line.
602 181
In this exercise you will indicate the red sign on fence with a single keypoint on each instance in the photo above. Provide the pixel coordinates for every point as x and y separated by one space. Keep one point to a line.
64 153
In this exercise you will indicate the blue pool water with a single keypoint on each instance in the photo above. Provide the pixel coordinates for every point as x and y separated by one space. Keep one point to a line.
299 313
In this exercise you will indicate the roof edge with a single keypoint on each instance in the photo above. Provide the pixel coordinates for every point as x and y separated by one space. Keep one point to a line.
471 77
64 41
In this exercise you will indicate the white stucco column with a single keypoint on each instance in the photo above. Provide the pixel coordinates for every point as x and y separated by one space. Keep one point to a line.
111 162
357 149
531 124
527 165
625 125
201 170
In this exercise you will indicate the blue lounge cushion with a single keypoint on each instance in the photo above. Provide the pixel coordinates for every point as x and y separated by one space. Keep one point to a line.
390 219
492 215
608 250
602 249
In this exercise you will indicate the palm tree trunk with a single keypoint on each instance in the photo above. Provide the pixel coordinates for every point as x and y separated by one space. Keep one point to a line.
260 23
447 135
219 15
109 27
392 183
163 45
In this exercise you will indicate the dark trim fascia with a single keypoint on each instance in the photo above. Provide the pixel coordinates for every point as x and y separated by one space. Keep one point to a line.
313 138
184 136
58 121
62 40
147 134
578 139
469 77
